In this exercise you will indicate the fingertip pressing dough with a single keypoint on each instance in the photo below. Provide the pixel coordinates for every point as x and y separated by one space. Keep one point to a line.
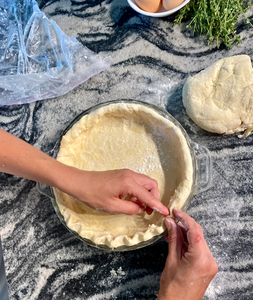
220 98
133 136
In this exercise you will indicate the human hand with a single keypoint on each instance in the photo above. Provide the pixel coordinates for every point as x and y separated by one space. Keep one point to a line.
190 266
105 191
100 190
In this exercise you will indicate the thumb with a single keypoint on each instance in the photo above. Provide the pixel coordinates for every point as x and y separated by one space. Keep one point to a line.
174 239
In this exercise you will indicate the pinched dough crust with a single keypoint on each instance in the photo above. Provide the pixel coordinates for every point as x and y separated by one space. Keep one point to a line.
220 98
122 135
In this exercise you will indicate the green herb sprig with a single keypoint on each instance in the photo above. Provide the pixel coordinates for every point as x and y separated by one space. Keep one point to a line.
216 19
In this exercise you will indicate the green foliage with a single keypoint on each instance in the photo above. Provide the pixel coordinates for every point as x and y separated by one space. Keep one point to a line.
215 18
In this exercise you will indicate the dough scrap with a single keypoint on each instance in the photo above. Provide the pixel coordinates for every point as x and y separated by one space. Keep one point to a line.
122 135
220 98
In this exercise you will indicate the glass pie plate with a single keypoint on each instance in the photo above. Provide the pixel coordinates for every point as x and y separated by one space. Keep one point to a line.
201 161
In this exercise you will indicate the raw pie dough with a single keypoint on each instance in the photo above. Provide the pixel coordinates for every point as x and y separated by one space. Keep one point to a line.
220 98
122 135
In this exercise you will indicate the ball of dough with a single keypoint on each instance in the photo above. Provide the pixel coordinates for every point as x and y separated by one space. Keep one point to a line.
220 98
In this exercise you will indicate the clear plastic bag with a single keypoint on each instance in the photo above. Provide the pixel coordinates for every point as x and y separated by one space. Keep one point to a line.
38 60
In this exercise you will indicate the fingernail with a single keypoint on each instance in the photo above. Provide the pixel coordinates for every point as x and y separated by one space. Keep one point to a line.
141 210
176 210
168 224
156 209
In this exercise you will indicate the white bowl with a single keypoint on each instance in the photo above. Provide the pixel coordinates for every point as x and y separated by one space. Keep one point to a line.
162 12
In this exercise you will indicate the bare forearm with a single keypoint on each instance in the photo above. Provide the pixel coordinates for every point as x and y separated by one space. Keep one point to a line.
21 159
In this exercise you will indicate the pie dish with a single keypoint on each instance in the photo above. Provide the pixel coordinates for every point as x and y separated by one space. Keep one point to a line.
102 138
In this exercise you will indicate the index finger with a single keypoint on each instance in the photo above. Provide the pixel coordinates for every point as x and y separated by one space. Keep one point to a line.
148 183
193 229
146 197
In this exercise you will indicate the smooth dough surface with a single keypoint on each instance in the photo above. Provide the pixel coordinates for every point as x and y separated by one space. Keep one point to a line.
220 98
132 136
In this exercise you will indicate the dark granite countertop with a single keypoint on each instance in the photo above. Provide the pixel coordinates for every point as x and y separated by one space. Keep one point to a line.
151 61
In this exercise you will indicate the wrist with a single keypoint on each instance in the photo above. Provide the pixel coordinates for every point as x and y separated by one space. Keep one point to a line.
71 181
170 291
181 290
181 294
63 177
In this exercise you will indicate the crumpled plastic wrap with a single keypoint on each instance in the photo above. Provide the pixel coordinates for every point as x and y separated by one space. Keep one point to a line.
37 59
